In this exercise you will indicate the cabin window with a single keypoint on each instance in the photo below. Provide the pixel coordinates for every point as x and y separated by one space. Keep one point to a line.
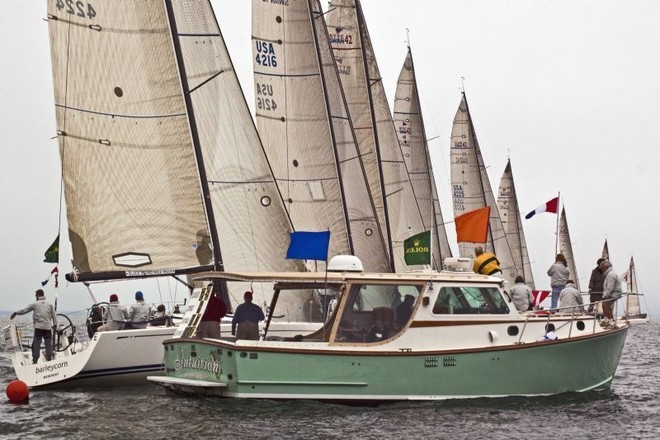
470 301
375 312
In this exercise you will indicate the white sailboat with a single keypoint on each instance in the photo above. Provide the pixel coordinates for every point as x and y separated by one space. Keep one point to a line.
633 311
565 247
307 131
377 140
409 125
471 190
163 171
507 204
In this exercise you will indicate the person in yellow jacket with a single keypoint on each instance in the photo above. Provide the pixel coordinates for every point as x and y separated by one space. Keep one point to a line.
486 263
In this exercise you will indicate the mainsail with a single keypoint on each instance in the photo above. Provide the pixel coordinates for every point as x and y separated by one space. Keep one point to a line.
565 247
471 190
409 125
507 204
163 169
307 133
378 144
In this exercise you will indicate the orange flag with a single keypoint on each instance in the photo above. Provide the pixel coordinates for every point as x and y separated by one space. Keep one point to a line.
473 226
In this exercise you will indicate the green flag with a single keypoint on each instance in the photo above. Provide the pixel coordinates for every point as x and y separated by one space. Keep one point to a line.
417 249
53 252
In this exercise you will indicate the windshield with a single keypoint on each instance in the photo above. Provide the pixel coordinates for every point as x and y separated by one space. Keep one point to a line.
374 312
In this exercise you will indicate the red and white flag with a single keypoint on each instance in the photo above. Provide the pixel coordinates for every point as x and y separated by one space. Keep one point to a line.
539 296
550 206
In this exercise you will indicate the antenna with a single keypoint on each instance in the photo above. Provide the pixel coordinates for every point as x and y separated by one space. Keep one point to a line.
408 37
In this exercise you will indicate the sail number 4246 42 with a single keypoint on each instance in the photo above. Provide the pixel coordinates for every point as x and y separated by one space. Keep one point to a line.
78 8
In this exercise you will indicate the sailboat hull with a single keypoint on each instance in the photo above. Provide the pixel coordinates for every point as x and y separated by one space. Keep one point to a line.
321 372
116 358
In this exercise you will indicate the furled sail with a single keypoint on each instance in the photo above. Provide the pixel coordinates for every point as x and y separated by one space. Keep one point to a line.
507 204
409 125
378 144
307 133
163 169
471 190
565 247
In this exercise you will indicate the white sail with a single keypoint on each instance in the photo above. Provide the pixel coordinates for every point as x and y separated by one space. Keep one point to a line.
409 125
507 204
306 130
471 190
163 169
606 251
633 307
565 247
131 179
378 144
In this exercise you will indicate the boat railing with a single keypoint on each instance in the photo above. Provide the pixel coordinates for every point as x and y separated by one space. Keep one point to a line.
571 317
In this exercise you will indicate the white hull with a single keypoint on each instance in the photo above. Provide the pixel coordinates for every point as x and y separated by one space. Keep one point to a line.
116 358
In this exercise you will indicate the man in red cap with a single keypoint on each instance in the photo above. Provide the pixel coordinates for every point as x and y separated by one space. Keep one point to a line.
117 315
246 318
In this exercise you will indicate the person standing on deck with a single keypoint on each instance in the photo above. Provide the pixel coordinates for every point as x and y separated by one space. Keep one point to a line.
612 291
596 284
44 320
558 274
209 326
486 263
246 318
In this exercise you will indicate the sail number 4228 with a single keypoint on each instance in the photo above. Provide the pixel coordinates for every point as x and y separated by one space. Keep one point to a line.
78 8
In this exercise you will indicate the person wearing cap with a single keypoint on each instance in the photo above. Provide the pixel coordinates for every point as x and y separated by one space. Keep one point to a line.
209 326
117 315
246 318
612 291
44 320
486 263
596 284
139 313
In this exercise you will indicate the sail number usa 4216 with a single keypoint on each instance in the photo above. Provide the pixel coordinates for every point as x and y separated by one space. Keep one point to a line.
78 8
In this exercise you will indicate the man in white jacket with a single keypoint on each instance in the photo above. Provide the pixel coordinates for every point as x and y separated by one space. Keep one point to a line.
44 319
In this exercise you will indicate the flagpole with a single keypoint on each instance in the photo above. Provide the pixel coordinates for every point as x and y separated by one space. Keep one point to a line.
558 222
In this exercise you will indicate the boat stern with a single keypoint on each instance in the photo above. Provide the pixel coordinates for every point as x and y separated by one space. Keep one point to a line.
195 366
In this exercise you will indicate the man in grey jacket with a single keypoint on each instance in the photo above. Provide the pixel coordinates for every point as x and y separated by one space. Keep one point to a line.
612 291
44 319
139 313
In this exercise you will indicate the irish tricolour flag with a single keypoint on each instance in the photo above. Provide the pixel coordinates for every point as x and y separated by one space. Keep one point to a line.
550 206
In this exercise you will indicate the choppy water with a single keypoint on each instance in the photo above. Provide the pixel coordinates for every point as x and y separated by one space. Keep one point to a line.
630 409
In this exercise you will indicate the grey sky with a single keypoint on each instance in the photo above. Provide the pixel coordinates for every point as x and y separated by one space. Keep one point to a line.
569 90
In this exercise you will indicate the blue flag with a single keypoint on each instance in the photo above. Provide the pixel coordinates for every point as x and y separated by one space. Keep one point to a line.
309 245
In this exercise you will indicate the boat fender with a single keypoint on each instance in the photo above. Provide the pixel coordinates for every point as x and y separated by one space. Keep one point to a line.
492 335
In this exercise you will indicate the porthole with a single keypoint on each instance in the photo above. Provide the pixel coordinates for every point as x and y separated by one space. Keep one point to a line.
512 330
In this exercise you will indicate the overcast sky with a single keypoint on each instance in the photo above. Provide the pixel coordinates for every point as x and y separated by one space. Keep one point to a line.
569 90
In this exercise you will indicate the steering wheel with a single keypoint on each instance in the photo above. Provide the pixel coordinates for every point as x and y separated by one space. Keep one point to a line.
64 333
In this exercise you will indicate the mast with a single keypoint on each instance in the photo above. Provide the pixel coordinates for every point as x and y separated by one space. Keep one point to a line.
217 257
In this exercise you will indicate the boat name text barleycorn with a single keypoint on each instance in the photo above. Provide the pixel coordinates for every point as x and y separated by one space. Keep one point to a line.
49 368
